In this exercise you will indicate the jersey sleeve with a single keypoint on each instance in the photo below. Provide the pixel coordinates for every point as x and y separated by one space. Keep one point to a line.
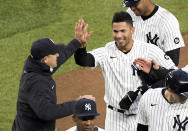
185 68
160 57
142 113
171 34
99 55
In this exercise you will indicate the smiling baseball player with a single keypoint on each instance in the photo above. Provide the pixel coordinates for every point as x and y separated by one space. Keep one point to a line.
116 60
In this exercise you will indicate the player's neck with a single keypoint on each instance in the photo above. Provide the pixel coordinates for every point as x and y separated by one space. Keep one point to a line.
168 96
171 99
127 48
150 9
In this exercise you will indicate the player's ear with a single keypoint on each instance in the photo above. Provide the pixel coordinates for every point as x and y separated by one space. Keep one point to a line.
44 60
132 30
74 118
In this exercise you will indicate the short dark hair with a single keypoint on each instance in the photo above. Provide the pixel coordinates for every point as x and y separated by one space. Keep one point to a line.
122 16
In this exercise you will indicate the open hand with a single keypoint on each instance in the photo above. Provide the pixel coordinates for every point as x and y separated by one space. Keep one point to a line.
81 33
145 65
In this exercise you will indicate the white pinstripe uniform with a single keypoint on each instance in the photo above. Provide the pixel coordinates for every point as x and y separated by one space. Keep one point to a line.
120 78
161 29
160 115
185 68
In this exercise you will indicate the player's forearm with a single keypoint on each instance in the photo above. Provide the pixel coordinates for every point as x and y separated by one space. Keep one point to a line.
160 73
83 58
71 48
51 111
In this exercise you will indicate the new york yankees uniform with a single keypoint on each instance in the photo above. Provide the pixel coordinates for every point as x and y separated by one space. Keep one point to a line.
161 29
120 77
159 114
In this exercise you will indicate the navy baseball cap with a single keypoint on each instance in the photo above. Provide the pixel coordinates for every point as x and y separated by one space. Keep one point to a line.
129 3
85 107
177 80
43 47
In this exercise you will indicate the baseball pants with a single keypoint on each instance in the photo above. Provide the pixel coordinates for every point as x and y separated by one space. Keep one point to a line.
116 121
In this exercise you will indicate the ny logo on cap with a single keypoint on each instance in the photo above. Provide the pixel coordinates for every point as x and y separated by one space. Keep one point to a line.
88 106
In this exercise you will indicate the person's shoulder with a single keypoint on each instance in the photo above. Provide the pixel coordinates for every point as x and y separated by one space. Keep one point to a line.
71 129
100 129
152 92
185 68
143 44
164 11
148 46
166 16
110 44
34 77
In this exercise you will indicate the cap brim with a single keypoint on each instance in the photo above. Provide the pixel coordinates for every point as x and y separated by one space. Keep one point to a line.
184 95
129 3
87 114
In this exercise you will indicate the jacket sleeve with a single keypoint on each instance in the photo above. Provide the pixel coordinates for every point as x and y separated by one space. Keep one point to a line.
83 58
66 51
42 102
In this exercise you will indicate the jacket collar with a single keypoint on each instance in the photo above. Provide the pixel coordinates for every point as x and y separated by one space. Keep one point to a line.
32 65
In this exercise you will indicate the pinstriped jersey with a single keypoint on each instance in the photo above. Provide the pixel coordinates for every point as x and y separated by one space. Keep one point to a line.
161 29
185 68
119 72
159 115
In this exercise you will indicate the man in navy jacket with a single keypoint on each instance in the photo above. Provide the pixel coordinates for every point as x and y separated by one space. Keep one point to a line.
37 107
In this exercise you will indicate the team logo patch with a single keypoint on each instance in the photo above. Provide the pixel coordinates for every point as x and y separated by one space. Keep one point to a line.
133 65
166 57
152 40
176 40
87 106
181 125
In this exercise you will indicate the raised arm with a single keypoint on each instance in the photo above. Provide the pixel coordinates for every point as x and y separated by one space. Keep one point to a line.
81 56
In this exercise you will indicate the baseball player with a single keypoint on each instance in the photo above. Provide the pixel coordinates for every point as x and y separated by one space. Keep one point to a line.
84 115
156 25
116 59
167 109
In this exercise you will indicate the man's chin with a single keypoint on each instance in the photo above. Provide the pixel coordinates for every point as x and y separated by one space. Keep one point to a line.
119 45
54 66
87 129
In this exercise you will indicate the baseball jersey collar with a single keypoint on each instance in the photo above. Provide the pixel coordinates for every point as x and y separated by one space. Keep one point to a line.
152 13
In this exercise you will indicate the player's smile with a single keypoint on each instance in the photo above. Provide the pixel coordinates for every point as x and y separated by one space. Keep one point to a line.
120 41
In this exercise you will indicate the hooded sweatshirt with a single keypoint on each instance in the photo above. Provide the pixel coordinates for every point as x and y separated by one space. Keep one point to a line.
37 107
